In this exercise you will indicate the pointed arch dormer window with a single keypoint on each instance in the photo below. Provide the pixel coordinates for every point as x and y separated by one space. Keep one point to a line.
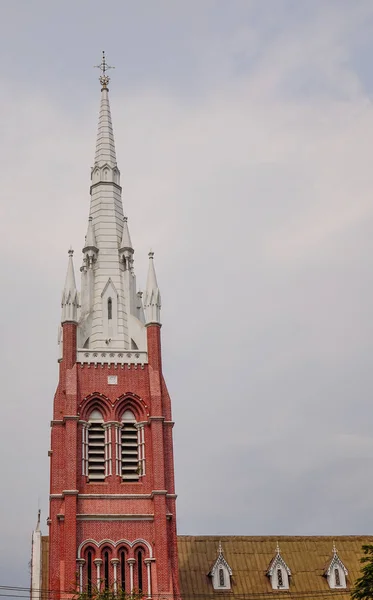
336 572
220 572
278 572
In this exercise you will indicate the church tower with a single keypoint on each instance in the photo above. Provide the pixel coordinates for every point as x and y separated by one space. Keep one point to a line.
112 521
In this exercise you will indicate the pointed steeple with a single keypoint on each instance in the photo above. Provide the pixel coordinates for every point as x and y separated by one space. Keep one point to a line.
126 243
105 146
69 302
90 238
152 297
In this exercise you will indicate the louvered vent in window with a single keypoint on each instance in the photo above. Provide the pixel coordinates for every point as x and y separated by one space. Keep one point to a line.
129 447
96 447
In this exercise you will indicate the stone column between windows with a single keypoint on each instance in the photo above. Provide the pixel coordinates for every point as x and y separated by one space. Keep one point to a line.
115 562
118 458
81 563
108 467
131 562
98 563
148 562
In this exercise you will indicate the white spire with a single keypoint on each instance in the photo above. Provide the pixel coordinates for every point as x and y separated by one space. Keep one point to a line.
126 243
105 146
90 239
69 302
108 277
152 298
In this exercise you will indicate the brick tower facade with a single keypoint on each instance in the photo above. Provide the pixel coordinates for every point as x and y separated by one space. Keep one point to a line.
112 521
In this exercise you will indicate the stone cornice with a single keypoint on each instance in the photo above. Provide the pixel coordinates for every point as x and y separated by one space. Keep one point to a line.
115 517
114 496
94 185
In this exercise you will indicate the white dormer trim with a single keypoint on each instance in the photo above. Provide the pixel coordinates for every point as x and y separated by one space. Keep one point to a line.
336 573
220 573
278 572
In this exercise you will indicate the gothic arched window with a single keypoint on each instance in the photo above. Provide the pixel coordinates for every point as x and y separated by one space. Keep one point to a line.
96 447
139 557
89 573
122 567
106 569
221 577
337 577
109 309
130 467
280 579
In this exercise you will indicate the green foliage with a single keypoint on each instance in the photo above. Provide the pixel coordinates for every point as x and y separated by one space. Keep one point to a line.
363 588
107 594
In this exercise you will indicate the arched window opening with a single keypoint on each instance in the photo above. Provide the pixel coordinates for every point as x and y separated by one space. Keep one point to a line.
89 573
96 447
221 577
130 447
109 309
140 570
280 580
106 569
337 577
122 562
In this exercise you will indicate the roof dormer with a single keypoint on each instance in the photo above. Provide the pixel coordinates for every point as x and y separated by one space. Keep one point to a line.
221 572
336 572
278 572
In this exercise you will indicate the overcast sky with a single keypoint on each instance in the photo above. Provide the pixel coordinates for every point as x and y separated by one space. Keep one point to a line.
244 133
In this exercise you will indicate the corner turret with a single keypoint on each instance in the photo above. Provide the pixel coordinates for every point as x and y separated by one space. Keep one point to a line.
152 298
70 303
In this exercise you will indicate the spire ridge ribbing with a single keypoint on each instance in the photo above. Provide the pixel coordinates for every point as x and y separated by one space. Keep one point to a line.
105 145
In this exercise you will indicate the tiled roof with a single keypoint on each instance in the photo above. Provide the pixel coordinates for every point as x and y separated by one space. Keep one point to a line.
250 556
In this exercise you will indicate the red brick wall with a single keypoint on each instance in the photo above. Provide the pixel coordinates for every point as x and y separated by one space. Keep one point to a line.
143 390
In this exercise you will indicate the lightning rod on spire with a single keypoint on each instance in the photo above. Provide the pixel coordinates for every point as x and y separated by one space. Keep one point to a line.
104 79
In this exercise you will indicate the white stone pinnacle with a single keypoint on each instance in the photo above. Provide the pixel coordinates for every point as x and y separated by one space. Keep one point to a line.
126 243
152 296
90 239
69 302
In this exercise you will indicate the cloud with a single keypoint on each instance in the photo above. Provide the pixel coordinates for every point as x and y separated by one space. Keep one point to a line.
254 189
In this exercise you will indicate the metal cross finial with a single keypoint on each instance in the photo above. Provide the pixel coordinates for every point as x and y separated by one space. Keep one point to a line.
104 79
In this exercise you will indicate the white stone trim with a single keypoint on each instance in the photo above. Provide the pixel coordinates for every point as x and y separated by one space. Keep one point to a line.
112 357
110 496
115 517
131 562
115 544
85 449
